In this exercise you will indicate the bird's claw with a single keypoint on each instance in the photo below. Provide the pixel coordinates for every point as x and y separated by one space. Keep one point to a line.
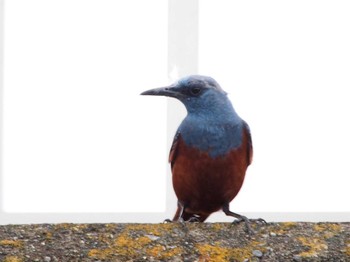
247 223
259 221
180 220
193 219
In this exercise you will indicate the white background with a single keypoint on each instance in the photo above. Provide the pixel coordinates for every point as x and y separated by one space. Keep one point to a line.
76 132
286 66
74 124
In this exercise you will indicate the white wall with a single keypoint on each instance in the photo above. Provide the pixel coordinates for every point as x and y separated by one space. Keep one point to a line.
74 124
76 133
286 66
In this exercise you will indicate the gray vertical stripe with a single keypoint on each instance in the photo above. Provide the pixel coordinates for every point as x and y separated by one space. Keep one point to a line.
182 60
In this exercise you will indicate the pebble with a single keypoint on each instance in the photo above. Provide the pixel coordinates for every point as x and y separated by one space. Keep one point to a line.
47 259
273 234
296 258
257 253
152 237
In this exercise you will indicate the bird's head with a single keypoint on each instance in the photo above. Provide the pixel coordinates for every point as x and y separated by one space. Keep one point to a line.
198 93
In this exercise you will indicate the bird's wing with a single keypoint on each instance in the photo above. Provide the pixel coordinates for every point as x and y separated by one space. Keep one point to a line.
246 130
173 150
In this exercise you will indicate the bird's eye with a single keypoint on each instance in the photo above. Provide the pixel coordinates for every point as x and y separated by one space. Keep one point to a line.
196 90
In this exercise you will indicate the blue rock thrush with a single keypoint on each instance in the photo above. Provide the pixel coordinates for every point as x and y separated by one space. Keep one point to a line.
211 151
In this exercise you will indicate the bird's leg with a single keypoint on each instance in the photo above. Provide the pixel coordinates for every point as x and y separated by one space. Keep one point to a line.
241 218
182 207
180 211
194 218
188 217
178 217
182 215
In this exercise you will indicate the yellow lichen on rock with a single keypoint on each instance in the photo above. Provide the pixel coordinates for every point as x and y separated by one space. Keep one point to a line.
328 230
217 226
315 246
289 224
12 243
347 249
155 251
217 253
130 244
100 253
163 253
210 253
284 227
122 245
12 259
153 229
327 227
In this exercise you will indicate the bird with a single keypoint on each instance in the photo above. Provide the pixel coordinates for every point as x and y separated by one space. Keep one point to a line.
211 150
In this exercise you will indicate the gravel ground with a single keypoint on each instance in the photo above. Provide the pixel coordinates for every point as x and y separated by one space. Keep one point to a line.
175 242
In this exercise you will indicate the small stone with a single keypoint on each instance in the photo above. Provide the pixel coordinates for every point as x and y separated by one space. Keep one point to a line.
257 253
273 234
296 258
47 259
152 237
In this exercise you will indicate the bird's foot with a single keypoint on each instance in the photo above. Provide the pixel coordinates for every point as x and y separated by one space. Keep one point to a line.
258 220
248 221
240 218
193 219
251 220
180 220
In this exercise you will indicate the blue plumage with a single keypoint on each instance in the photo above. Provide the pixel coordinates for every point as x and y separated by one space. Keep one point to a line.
211 125
216 139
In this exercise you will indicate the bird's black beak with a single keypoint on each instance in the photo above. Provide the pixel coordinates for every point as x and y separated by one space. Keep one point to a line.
162 91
